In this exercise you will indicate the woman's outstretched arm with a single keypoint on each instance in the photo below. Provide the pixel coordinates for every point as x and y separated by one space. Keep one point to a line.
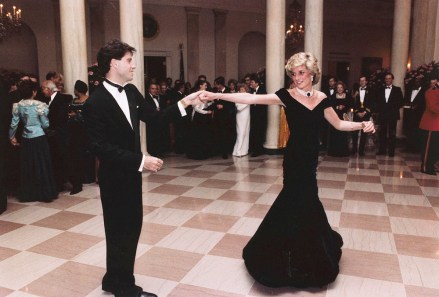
246 98
332 118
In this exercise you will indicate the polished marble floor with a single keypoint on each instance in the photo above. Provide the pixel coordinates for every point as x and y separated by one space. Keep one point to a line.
198 215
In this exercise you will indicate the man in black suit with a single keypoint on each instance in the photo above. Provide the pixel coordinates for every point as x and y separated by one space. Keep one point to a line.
155 132
329 90
414 105
364 99
258 119
112 115
57 132
224 117
389 101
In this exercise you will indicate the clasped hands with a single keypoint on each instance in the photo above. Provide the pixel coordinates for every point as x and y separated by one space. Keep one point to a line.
368 126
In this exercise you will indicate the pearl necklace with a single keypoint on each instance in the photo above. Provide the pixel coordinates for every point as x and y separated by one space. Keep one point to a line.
305 93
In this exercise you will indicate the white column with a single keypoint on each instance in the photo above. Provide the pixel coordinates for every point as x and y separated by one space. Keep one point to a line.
275 63
74 46
131 32
314 31
400 47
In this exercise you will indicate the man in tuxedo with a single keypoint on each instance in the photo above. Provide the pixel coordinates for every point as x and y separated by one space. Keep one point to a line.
224 116
57 132
414 105
258 119
155 132
389 101
329 90
112 115
364 99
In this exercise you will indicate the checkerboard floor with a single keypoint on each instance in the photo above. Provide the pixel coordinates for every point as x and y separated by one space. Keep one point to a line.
198 215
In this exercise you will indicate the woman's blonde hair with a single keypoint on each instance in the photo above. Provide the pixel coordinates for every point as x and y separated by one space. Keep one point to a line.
306 59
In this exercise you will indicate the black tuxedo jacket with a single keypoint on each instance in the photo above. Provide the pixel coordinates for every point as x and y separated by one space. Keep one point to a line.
228 109
150 101
418 103
389 110
59 111
111 137
368 104
327 91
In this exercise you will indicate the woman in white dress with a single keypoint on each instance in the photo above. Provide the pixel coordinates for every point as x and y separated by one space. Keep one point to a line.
242 125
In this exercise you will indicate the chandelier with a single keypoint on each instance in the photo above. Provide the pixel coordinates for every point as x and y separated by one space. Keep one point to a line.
9 22
295 30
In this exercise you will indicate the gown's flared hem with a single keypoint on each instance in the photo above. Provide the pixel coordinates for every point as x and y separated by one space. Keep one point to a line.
294 247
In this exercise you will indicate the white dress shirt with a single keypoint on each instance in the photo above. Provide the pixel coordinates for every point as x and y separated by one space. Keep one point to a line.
387 91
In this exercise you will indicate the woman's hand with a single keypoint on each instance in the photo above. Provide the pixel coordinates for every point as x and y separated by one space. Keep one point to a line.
193 99
368 126
208 96
14 142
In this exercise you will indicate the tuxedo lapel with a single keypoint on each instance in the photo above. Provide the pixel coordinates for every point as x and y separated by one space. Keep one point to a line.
118 111
133 110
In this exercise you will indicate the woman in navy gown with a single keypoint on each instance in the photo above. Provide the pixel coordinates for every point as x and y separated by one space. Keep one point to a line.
295 245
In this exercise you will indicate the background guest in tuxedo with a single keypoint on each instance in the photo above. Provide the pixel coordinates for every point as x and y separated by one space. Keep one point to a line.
364 100
224 114
57 132
389 101
180 128
329 90
201 137
157 140
258 119
36 177
338 140
414 105
429 127
112 115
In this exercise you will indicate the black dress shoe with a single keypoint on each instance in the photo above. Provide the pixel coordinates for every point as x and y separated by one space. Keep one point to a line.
429 172
381 153
75 191
146 294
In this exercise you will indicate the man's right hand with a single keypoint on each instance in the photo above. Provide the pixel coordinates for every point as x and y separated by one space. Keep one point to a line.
152 163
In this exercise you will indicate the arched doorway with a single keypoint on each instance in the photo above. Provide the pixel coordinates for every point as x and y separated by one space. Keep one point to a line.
26 57
251 53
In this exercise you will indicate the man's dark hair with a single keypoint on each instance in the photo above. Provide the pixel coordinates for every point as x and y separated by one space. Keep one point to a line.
51 74
220 80
114 49
391 74
256 78
26 88
363 75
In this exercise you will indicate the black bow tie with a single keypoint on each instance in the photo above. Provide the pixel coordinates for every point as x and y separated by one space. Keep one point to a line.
331 88
119 87
155 97
388 87
362 89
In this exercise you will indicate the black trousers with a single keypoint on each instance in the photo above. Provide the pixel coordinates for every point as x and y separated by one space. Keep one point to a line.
429 150
387 135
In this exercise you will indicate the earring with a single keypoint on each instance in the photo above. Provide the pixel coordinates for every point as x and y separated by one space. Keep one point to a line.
312 78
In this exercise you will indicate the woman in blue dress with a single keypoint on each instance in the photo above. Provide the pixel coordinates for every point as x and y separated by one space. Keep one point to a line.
36 176
295 245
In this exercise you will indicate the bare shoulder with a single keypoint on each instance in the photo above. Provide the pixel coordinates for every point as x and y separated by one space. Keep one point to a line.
320 95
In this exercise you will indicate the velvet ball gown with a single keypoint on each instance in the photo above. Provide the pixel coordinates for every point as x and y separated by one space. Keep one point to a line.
295 245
